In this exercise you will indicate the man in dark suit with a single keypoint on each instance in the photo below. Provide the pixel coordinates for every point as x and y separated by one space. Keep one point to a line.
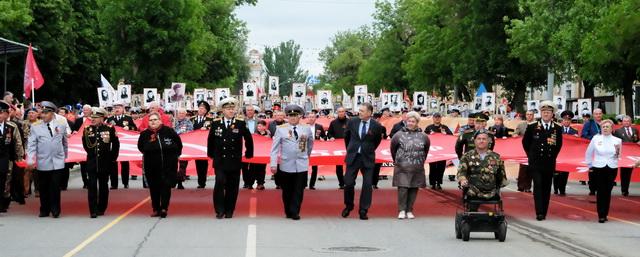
591 128
224 146
318 134
362 136
401 124
542 142
202 122
560 178
628 134
120 119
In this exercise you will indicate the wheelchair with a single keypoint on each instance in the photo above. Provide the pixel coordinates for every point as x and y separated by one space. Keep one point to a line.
470 219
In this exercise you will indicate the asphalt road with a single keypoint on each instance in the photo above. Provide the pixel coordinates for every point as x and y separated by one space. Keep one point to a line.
260 229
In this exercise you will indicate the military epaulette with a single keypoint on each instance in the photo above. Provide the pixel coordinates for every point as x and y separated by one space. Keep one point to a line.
283 125
37 122
529 123
240 119
11 123
468 131
217 119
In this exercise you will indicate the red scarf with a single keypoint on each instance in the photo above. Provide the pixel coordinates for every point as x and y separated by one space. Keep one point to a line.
154 133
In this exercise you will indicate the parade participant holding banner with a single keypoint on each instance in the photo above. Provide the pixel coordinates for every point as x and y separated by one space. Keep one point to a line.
436 169
120 119
47 149
361 138
409 150
602 158
290 151
542 142
336 131
628 134
182 125
249 111
318 134
11 150
202 122
591 128
160 147
524 178
560 178
101 143
224 146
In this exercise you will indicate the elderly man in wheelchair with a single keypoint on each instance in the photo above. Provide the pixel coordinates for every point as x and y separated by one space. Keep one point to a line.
481 174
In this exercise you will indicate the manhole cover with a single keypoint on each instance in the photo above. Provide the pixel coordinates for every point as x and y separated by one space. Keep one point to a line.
351 249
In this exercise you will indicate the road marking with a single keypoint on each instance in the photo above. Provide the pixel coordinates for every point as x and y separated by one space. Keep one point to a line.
552 240
253 205
582 209
104 229
251 241
628 200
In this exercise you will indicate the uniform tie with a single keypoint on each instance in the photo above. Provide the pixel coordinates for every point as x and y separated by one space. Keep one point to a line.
295 133
49 128
228 123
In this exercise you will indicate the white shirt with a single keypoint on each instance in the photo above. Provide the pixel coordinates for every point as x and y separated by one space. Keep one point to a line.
227 122
2 128
602 151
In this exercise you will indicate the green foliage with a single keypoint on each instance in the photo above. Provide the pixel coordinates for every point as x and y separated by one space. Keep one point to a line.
344 56
284 61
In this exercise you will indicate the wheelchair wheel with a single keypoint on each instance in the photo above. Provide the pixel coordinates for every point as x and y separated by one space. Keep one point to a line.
501 235
465 230
458 232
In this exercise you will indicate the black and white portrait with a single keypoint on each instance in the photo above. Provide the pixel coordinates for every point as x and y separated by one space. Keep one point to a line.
104 97
178 91
560 102
395 102
221 93
584 106
533 105
136 101
274 85
299 93
489 101
149 96
419 99
360 89
250 94
324 100
124 93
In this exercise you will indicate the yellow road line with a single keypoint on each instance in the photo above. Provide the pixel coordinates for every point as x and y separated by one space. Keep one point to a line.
104 229
584 210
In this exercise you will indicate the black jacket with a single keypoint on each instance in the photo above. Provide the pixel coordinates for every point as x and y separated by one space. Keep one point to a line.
438 129
396 127
319 132
367 145
160 153
538 145
204 124
224 145
337 128
125 121
100 154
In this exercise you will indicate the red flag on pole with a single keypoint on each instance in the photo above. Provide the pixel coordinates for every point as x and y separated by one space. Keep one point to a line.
32 77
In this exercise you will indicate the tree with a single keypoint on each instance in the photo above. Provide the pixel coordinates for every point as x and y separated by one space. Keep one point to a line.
284 61
613 47
344 56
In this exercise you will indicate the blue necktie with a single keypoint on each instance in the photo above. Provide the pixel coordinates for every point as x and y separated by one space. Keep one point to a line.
363 132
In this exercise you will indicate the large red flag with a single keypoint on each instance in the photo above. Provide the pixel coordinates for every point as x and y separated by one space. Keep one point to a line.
32 75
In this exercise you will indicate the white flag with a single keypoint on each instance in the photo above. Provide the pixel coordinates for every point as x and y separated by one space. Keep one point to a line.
346 100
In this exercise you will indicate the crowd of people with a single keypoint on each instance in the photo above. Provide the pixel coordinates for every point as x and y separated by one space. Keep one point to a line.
32 160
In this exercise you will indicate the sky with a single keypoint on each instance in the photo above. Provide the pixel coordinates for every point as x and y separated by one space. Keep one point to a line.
310 23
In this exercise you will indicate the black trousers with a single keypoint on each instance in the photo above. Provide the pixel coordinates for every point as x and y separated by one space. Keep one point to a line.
247 177
560 179
376 174
64 177
83 173
49 187
293 185
542 174
524 178
625 179
259 172
124 173
4 175
225 191
159 190
201 168
113 175
314 176
98 191
182 171
17 183
603 179
350 183
436 171
592 184
340 175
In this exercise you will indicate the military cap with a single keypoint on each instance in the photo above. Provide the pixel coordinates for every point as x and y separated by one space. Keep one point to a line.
48 106
98 112
205 104
547 106
4 106
227 102
471 116
293 109
385 108
437 115
567 114
481 117
118 103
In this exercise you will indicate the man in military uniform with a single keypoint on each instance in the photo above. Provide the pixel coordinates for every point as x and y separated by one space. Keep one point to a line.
626 133
481 171
48 142
124 121
102 145
290 151
465 141
560 178
225 148
202 122
471 122
542 142
10 150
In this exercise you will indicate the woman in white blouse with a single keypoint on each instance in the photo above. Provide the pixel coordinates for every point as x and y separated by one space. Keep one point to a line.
602 158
